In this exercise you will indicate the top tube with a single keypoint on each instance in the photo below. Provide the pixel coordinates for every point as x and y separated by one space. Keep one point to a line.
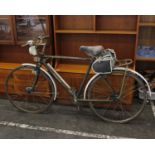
67 57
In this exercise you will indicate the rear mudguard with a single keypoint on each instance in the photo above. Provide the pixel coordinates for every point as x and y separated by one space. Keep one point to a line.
123 69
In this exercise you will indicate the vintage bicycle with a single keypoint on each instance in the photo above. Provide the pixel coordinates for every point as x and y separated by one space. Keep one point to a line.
110 92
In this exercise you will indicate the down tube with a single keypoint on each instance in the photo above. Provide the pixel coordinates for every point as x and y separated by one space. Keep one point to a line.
59 78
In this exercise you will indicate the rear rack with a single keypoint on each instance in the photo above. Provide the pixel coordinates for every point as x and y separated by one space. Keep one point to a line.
123 62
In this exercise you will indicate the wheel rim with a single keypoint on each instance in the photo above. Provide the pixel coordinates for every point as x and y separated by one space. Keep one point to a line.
18 87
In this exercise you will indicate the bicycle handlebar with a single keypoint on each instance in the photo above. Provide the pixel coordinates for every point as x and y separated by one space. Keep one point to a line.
36 42
39 41
29 42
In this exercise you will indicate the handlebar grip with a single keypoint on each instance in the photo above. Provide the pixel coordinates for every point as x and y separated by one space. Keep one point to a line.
29 42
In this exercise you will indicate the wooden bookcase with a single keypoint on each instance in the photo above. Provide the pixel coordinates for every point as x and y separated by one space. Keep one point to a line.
70 32
5 68
146 38
19 29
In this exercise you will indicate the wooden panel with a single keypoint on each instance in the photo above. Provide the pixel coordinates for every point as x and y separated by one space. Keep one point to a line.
17 54
145 65
8 66
147 24
119 22
63 96
3 76
147 19
144 59
69 44
5 68
75 22
100 88
14 54
96 32
6 30
72 68
146 36
74 80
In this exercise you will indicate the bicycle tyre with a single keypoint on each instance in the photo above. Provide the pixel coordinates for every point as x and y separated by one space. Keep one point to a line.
19 83
117 110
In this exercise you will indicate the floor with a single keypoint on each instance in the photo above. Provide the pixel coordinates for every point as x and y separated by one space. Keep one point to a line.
65 122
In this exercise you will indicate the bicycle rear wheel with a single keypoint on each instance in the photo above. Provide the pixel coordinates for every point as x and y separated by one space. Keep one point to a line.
22 94
115 107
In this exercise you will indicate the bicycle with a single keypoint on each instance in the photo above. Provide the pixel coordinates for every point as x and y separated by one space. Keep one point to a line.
110 92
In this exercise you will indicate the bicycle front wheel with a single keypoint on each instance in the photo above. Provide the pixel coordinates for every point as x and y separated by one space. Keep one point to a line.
30 89
116 94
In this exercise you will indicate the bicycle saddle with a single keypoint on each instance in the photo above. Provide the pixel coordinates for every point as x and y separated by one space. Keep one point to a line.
92 51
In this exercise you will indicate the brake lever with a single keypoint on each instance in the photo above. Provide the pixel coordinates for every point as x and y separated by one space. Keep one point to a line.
29 42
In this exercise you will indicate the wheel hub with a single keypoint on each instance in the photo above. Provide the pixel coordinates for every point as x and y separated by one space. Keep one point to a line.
115 97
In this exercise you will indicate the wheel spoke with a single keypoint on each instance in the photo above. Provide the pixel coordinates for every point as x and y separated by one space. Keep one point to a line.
122 109
23 79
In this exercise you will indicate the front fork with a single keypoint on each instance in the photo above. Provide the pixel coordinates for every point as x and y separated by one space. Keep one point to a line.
30 89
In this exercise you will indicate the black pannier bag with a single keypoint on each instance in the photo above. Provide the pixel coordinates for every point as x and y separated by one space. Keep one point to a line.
105 63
